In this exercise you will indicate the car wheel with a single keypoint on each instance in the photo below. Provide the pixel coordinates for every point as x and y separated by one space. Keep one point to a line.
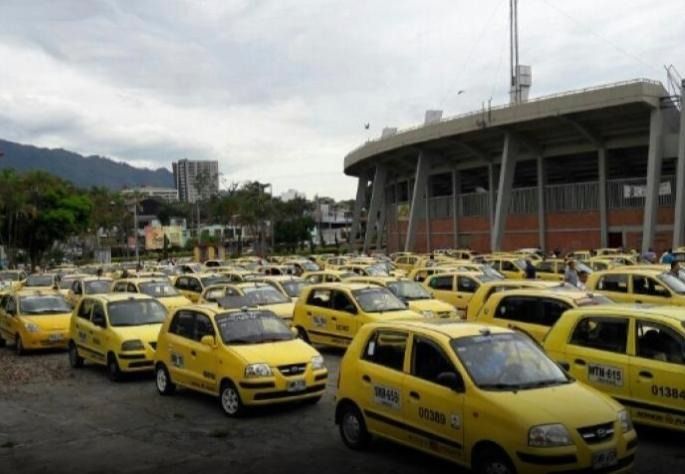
113 370
19 346
230 400
75 360
353 428
302 334
2 341
493 461
163 381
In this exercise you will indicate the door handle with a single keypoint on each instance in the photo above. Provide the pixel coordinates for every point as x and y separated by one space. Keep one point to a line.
415 395
580 362
193 353
638 301
645 374
366 378
334 318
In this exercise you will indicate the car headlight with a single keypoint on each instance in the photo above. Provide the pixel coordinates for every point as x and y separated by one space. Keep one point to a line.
317 363
257 370
31 327
548 436
134 345
428 314
625 421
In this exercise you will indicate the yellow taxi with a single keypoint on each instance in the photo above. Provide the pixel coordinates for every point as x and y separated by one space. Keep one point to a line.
486 398
488 288
118 331
11 279
34 319
599 264
634 353
289 286
66 281
638 285
326 276
261 295
333 263
512 267
89 285
245 357
302 265
331 314
238 276
414 294
41 281
159 288
456 288
191 285
533 311
407 262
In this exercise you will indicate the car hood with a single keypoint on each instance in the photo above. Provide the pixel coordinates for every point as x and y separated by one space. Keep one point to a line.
295 351
282 310
395 315
146 333
436 306
173 302
50 322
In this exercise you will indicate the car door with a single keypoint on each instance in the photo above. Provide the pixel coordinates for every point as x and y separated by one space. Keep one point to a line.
545 270
466 287
344 319
614 286
647 290
381 378
194 289
81 330
11 320
657 374
179 336
597 355
318 313
442 287
202 358
97 333
434 411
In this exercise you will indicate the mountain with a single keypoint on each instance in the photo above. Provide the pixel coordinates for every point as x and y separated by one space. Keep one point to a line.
83 171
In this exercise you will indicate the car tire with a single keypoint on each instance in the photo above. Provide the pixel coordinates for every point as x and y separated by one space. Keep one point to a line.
302 334
19 346
353 428
229 399
493 461
163 381
75 360
2 342
113 370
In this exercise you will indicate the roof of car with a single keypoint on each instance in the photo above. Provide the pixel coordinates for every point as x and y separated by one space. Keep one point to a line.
143 279
447 328
643 310
566 294
523 283
631 270
114 297
342 285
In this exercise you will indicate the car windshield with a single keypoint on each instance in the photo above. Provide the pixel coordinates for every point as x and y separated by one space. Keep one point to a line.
409 290
252 327
136 313
158 289
261 295
293 288
673 282
214 280
40 280
492 273
581 267
310 266
10 276
377 270
66 282
43 305
97 287
507 361
378 300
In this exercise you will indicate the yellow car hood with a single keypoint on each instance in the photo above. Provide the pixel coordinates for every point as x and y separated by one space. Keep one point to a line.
173 302
50 322
282 310
146 333
395 315
436 306
274 354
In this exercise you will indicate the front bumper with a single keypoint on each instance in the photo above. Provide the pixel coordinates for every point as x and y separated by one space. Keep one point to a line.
278 388
137 361
45 339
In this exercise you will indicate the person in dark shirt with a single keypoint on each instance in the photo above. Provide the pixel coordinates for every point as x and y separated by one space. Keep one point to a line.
530 270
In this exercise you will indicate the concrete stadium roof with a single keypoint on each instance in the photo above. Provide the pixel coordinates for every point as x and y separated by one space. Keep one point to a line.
612 115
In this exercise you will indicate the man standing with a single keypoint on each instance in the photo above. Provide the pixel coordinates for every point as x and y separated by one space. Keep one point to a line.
570 274
675 269
530 270
667 257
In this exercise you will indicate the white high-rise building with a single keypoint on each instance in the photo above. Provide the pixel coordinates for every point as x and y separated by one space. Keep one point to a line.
189 175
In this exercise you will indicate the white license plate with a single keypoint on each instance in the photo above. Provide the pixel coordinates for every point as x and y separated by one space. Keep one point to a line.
55 337
296 386
604 459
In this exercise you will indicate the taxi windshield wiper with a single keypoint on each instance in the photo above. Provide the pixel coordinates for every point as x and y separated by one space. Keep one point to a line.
544 383
501 386
239 341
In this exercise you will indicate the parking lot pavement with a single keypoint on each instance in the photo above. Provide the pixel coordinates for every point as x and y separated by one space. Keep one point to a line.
54 419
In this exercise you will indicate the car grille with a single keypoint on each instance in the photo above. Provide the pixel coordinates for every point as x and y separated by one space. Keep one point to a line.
598 433
444 314
153 345
292 370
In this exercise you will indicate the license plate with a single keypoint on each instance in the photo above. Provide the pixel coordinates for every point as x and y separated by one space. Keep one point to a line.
296 386
604 459
54 337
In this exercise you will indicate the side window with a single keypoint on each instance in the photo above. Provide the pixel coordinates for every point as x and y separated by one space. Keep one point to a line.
519 308
181 283
648 286
387 348
182 325
84 309
429 361
342 303
98 314
545 267
11 307
131 288
194 285
466 284
203 327
507 266
659 342
552 311
605 334
119 287
615 283
320 298
442 283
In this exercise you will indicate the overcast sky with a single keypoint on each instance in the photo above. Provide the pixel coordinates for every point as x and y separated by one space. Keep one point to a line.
280 90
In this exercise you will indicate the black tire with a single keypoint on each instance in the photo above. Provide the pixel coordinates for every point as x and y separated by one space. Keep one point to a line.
113 370
75 360
2 342
163 381
302 334
493 461
19 346
230 401
352 428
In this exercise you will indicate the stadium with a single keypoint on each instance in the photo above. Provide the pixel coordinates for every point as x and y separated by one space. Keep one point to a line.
592 168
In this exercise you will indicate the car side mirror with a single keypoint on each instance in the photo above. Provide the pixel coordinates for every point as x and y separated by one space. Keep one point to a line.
452 381
209 341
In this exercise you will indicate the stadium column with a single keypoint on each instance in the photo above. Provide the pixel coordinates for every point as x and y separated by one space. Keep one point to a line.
602 197
506 180
420 188
542 228
654 159
456 187
380 228
491 196
377 200
678 222
360 201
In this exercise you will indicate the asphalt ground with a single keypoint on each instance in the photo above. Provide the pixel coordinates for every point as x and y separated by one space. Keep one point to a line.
54 419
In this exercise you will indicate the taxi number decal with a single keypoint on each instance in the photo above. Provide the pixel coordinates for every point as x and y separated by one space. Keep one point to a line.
386 396
432 415
605 374
176 360
668 392
341 327
655 417
319 321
